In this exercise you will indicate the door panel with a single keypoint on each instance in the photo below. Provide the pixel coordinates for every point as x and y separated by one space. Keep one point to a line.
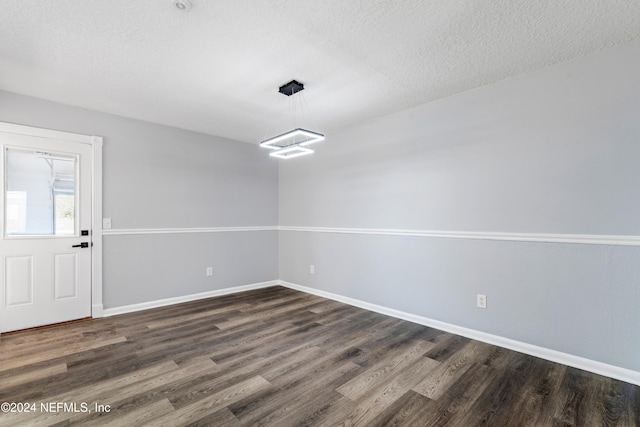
46 201
65 276
18 272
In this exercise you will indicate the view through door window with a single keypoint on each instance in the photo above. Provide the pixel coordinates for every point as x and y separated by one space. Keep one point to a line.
40 193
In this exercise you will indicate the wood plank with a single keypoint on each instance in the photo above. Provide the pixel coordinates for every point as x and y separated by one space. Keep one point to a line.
203 314
454 406
32 375
371 378
378 399
210 404
436 384
76 347
408 410
223 417
136 417
495 405
300 399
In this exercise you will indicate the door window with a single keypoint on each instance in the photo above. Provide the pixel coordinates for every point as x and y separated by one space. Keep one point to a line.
40 193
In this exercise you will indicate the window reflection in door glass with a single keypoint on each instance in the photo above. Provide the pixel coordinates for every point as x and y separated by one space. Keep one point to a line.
40 194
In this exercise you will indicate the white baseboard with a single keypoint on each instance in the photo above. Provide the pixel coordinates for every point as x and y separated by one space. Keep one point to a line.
599 368
97 311
185 298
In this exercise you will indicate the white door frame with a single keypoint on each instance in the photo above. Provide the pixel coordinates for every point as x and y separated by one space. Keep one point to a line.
96 203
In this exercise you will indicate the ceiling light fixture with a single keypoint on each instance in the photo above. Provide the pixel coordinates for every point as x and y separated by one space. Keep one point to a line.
294 142
291 152
181 5
297 136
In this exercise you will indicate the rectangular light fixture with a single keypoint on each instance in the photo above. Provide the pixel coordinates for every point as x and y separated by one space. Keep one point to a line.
299 137
291 152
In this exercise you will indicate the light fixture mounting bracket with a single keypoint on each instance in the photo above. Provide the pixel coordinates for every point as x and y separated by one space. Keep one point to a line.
291 88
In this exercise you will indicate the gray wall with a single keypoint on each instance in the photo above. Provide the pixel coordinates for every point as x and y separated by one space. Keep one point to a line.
171 265
555 151
161 177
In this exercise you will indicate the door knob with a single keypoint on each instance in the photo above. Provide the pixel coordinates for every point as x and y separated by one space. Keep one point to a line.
81 245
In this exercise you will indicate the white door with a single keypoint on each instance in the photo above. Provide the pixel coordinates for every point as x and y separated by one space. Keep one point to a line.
45 231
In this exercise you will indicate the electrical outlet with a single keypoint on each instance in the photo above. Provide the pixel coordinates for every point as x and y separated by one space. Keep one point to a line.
481 301
106 223
209 271
312 269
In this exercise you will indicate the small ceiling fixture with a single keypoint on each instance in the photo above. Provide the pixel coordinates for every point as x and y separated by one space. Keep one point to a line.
291 88
294 142
181 5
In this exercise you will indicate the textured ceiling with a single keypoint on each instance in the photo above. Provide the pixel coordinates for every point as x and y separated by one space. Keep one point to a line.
216 69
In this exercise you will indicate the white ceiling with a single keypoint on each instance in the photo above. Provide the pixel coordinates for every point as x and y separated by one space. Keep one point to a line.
216 69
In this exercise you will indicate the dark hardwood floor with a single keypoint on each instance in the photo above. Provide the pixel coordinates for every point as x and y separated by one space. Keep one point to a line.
279 357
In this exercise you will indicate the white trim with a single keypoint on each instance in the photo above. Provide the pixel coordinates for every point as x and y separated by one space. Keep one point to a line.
45 133
96 226
591 239
599 368
129 231
97 311
185 298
